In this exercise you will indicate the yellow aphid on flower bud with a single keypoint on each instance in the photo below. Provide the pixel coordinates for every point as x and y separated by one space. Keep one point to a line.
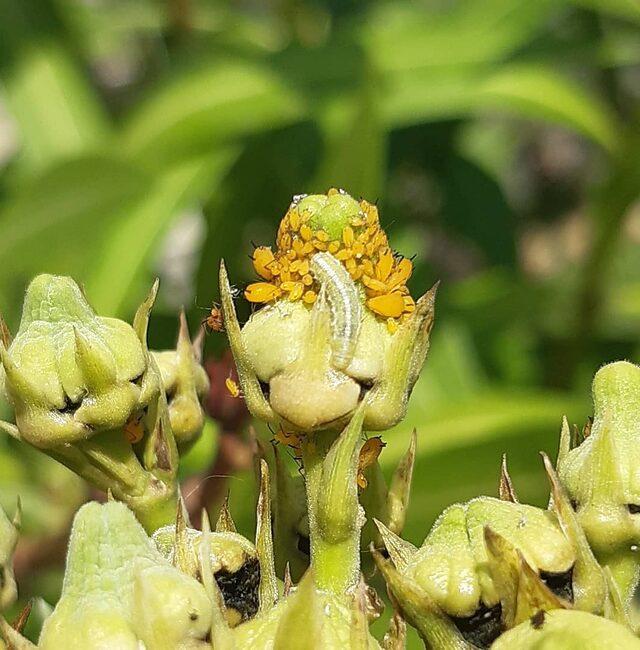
373 284
288 439
369 454
390 305
134 429
262 292
384 266
401 274
232 387
262 259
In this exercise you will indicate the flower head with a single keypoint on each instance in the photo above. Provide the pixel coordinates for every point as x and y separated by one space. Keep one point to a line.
337 321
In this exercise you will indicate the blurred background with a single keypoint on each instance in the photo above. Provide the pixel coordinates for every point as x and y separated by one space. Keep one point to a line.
143 138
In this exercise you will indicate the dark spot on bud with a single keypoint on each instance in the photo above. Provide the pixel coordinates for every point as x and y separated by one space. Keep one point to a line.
264 387
69 407
193 616
304 545
537 620
633 508
560 583
483 627
240 589
365 386
574 504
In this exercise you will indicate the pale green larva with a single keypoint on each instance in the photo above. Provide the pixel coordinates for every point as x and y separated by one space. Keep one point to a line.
344 304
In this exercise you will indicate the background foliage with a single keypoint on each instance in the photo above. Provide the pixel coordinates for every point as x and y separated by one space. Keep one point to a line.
148 137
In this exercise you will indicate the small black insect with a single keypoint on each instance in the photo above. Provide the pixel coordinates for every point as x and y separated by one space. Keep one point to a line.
537 620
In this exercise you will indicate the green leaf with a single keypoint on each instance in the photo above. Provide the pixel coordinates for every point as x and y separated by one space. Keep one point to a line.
542 93
118 276
354 144
204 106
55 221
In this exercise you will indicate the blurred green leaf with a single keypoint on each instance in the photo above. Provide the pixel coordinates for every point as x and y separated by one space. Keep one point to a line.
117 278
629 9
403 36
55 221
57 110
211 103
542 93
354 144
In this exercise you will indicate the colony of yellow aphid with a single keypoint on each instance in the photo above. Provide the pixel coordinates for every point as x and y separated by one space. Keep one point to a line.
363 249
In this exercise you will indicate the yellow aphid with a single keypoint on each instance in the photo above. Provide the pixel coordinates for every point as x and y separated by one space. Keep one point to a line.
334 247
305 232
332 191
319 245
232 387
134 429
307 280
288 439
297 246
392 325
401 273
384 266
296 292
369 454
262 292
344 254
263 259
409 304
347 236
367 267
358 249
309 297
373 284
390 305
322 236
294 219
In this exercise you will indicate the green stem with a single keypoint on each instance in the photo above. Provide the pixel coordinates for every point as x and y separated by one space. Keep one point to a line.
155 510
336 563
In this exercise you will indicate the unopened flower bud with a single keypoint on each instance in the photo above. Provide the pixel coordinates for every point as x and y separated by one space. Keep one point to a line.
337 320
120 592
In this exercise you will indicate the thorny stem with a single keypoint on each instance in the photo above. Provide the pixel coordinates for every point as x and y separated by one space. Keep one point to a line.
336 564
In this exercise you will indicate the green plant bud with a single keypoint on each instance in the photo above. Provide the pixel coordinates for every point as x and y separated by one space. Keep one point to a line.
599 474
233 562
489 564
569 630
70 373
120 592
185 383
310 618
337 323
8 539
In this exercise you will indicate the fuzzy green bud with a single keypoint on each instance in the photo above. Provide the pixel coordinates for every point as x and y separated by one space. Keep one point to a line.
338 321
185 383
119 591
70 373
569 630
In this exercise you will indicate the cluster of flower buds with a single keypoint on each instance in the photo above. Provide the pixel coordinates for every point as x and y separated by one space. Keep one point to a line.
86 390
491 564
308 358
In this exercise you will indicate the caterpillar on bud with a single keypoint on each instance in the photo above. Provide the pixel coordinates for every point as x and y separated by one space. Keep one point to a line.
344 305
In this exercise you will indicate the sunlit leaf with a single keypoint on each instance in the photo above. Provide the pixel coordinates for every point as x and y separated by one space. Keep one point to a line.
201 107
